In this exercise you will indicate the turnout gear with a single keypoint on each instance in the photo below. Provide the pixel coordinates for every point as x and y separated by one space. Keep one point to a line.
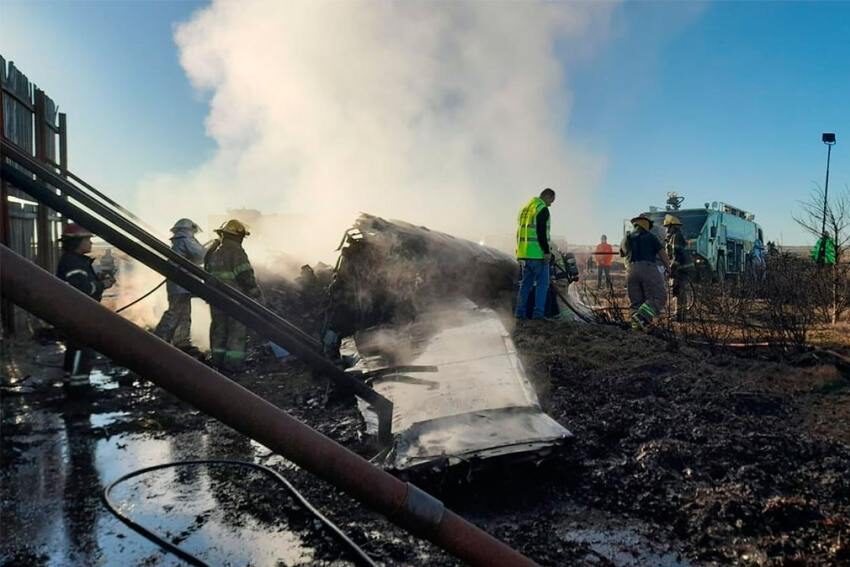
76 269
234 227
175 326
643 317
644 281
681 268
527 243
228 262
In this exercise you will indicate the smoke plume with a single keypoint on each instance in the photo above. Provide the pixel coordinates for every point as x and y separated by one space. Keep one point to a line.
442 114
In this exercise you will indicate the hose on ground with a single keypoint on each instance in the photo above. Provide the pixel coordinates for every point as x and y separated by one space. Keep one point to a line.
360 557
132 303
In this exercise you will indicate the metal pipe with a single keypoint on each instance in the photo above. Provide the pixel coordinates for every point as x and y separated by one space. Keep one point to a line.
90 323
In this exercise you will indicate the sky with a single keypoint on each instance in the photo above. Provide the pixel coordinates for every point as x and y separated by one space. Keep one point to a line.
718 101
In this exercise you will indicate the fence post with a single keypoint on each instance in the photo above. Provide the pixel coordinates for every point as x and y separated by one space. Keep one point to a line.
42 223
7 309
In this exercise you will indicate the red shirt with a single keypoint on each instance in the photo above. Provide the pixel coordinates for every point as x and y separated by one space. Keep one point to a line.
604 255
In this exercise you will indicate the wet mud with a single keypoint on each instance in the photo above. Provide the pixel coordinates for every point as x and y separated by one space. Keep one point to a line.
680 458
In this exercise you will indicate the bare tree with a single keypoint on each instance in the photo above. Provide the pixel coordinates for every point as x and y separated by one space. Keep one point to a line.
837 226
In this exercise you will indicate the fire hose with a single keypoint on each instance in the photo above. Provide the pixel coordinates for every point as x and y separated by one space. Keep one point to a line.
360 556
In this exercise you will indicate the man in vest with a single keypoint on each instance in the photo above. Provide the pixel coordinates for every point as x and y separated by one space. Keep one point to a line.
824 250
645 283
604 258
75 268
227 261
176 323
681 266
533 253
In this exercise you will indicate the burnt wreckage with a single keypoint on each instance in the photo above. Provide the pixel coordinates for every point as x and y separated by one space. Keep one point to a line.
412 312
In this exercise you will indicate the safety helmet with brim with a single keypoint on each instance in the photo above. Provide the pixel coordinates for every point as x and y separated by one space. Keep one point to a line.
642 221
233 227
73 230
671 220
186 224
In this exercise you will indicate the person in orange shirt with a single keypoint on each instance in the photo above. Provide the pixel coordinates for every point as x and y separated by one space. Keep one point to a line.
604 258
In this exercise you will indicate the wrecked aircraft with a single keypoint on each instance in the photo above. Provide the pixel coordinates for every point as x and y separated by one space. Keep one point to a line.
416 312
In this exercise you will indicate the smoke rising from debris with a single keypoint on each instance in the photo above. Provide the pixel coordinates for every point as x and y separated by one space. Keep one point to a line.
445 115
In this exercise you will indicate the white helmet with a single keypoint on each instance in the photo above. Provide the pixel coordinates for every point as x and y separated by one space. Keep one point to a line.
184 224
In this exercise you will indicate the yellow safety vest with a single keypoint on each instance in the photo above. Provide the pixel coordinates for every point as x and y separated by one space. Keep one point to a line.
527 246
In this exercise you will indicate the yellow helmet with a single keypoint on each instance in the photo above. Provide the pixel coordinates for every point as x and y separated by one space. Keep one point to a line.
671 220
233 227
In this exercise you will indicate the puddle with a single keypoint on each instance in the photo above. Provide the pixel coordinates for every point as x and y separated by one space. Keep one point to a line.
104 419
185 503
62 469
102 380
624 547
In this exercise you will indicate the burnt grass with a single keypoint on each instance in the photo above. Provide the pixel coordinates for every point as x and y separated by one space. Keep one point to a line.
745 460
728 460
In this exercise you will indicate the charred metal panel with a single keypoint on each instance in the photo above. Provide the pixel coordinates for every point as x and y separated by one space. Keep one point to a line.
474 401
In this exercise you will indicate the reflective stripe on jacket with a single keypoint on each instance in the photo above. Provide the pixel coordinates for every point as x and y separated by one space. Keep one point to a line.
527 246
76 269
229 263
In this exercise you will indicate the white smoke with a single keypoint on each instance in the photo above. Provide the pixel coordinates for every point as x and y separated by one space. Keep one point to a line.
447 115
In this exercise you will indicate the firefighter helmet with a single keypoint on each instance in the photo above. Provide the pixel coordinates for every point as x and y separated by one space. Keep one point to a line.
185 224
671 220
643 221
74 230
233 227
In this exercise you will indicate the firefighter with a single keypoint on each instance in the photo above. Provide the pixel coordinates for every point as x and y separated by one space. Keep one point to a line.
176 323
75 268
533 253
227 261
681 264
646 286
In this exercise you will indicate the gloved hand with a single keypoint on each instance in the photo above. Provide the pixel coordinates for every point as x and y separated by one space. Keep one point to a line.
107 279
547 257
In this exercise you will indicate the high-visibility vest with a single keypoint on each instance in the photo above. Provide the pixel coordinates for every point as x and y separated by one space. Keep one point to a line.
527 246
828 252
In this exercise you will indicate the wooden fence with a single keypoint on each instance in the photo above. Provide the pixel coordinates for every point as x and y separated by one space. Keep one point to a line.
30 119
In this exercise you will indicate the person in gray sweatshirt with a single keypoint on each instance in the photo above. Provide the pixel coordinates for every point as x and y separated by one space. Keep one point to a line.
176 323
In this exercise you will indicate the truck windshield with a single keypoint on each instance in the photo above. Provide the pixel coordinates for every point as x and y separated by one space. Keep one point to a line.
692 221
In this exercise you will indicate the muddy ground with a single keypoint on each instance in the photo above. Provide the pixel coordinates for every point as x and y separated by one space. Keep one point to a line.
680 457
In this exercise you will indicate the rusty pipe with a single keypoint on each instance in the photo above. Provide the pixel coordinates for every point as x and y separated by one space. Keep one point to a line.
87 321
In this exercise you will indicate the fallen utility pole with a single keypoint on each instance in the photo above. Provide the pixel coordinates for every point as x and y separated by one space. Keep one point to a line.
115 227
404 504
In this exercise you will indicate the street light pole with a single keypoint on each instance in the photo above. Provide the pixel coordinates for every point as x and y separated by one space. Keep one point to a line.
827 138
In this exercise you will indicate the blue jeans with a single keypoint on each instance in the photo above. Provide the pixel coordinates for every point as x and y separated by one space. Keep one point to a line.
535 274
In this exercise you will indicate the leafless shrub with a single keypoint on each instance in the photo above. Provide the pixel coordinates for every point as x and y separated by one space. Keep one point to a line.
606 305
789 301
818 215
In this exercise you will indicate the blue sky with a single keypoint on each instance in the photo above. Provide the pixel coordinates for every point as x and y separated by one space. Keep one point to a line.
722 101
726 103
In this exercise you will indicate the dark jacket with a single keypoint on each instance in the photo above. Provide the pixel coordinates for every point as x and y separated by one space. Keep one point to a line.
641 246
680 258
228 262
76 269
